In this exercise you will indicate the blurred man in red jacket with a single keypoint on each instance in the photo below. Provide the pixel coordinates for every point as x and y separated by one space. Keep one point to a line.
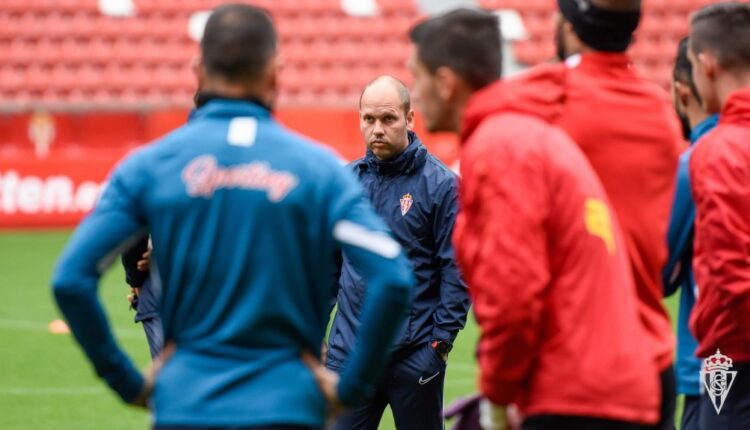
537 242
628 130
720 181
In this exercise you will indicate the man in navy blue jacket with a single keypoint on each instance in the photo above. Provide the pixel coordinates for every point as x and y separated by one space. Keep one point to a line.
145 292
144 284
416 195
678 273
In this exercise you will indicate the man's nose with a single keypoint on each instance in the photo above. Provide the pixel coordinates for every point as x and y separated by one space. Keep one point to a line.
378 129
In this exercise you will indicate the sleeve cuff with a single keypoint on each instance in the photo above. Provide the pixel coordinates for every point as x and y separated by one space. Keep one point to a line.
128 385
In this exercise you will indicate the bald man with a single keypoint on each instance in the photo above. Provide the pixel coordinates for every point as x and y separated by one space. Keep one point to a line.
416 195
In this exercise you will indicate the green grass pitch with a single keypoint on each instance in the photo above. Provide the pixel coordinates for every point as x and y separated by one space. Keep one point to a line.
45 382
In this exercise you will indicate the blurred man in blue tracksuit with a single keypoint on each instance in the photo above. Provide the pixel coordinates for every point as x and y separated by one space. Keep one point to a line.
416 194
245 219
678 273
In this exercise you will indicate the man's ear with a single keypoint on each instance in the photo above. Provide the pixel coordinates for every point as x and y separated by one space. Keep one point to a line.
410 120
267 89
571 42
682 93
446 82
196 65
709 63
568 30
272 72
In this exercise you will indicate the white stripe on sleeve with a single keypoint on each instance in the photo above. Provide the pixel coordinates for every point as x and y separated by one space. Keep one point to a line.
378 243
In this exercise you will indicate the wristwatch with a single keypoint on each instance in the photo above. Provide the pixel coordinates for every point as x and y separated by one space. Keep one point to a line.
442 346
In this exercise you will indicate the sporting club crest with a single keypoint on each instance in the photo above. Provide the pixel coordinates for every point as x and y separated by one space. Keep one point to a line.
717 378
41 132
406 202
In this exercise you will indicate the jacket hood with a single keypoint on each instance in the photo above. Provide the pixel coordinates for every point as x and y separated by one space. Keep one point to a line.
538 92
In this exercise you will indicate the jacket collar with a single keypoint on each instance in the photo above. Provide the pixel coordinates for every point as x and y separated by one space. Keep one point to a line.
703 127
737 108
192 114
225 107
203 97
411 159
598 60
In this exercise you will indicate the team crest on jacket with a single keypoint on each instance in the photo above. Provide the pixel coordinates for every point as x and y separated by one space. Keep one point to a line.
717 378
406 202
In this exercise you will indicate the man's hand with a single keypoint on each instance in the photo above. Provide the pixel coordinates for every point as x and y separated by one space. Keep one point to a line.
492 417
515 417
148 380
133 298
442 347
327 380
145 263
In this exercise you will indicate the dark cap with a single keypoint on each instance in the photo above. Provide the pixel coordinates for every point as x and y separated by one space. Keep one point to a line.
601 29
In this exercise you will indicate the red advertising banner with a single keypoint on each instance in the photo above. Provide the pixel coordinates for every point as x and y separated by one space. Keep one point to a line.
53 165
53 192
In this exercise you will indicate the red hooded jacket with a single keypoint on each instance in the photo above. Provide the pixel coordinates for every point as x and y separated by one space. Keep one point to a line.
720 182
546 266
630 133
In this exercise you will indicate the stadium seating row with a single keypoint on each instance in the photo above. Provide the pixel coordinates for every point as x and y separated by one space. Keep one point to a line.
65 50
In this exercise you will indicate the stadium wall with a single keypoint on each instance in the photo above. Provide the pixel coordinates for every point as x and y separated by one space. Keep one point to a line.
53 165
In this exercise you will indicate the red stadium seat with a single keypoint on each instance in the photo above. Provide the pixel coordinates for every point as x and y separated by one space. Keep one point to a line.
11 79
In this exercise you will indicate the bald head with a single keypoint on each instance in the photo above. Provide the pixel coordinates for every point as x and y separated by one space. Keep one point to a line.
385 117
385 86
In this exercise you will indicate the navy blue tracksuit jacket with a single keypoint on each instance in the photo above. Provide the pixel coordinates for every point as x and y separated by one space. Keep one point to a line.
146 307
417 196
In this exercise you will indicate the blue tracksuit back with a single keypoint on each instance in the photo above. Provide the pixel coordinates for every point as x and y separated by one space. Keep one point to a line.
416 195
678 273
245 218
